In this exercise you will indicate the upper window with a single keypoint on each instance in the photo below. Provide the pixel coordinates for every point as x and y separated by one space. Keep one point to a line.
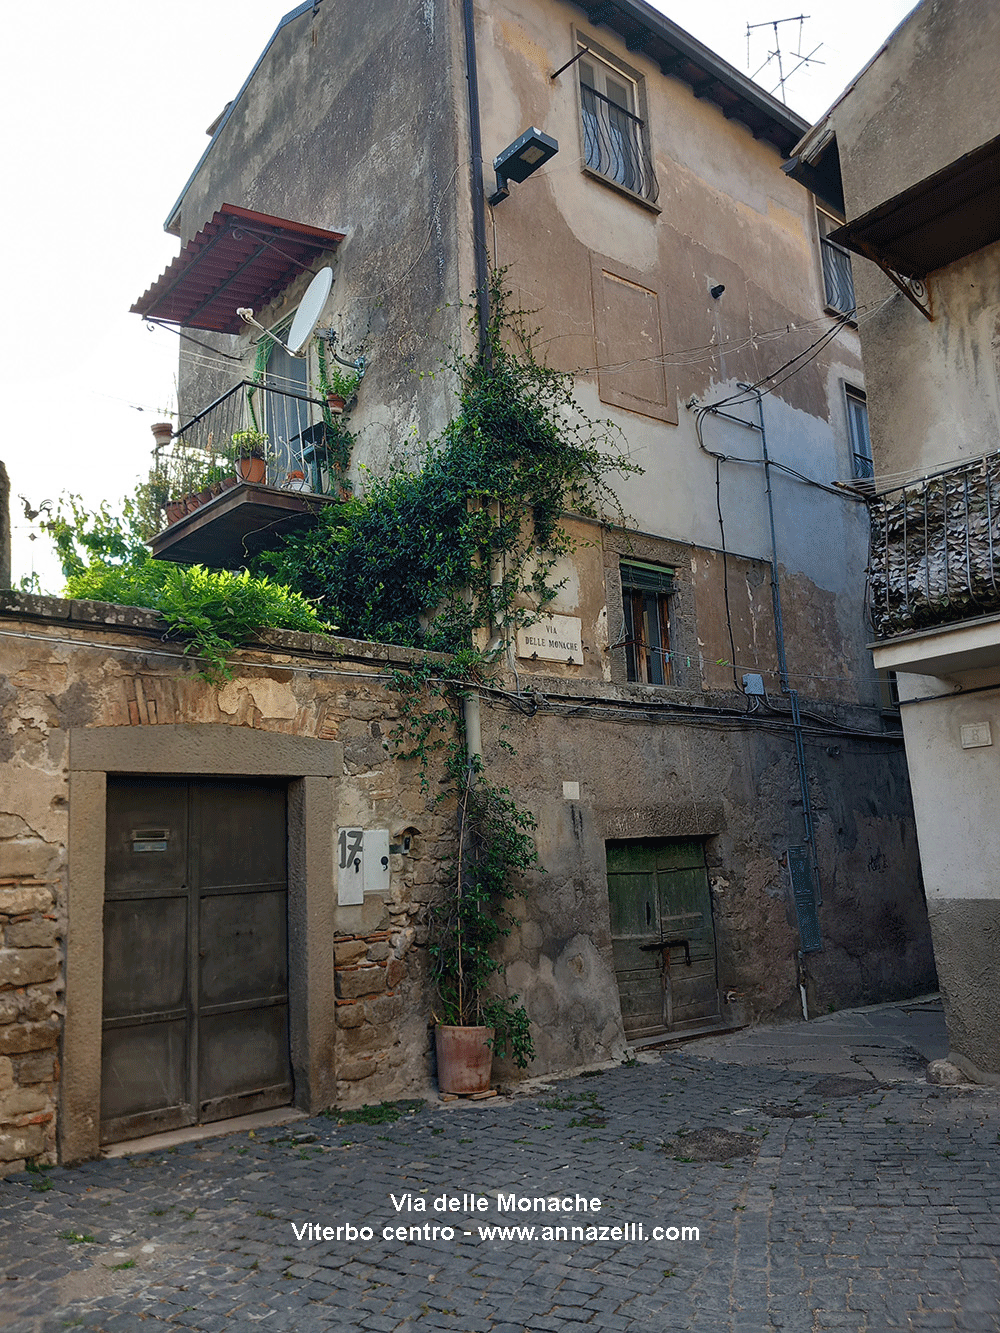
838 279
646 591
285 409
614 136
857 426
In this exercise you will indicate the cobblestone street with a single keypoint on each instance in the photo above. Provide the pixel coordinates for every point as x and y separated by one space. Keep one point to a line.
831 1187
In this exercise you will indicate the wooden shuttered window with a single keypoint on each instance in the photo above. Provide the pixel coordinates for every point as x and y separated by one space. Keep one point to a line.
646 592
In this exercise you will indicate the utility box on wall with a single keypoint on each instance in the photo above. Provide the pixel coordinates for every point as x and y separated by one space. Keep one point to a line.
362 864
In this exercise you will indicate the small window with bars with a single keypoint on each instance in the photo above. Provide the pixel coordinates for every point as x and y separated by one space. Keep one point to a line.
646 594
857 428
614 136
838 276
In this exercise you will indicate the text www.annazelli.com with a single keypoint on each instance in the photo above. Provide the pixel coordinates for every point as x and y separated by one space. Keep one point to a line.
631 1231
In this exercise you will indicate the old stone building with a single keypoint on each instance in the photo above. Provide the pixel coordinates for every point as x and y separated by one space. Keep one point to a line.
723 815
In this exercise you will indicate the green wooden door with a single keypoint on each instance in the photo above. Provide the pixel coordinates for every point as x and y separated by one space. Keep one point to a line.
662 935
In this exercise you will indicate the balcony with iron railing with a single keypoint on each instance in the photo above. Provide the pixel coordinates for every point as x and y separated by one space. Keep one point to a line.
250 467
935 549
614 144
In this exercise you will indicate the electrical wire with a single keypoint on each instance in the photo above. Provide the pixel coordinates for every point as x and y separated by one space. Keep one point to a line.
642 712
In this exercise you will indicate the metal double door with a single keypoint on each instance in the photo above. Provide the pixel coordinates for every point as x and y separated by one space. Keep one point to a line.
662 935
195 1008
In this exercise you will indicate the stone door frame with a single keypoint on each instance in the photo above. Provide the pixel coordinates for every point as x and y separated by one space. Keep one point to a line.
312 768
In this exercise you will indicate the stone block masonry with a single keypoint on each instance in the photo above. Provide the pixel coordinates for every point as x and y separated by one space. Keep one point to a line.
87 691
30 992
70 670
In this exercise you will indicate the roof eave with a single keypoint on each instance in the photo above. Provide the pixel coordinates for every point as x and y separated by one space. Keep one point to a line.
172 222
681 55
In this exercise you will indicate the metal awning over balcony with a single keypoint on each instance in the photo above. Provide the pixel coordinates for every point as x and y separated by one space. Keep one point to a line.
943 218
240 258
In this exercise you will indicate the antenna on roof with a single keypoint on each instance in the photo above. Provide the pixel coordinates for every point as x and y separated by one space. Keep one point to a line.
778 55
306 317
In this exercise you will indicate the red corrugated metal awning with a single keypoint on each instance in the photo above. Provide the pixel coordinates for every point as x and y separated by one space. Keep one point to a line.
240 258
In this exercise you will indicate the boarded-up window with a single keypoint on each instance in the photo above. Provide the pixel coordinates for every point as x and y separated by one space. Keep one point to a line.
628 324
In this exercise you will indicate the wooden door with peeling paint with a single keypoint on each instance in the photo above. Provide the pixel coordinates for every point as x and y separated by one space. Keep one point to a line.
662 935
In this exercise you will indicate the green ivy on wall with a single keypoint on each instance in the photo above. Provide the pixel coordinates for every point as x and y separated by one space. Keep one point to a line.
470 539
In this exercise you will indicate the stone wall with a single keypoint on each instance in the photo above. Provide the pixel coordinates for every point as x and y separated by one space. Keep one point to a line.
30 994
604 762
66 666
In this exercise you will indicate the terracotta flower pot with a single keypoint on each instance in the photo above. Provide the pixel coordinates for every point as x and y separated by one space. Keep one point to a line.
335 403
175 509
253 470
464 1059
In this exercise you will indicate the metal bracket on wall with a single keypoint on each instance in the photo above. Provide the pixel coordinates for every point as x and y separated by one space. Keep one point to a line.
913 289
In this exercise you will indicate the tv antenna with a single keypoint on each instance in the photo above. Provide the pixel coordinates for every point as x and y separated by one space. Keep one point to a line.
778 55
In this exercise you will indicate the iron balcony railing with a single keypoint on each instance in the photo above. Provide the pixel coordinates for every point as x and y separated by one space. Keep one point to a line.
614 144
935 546
838 277
293 430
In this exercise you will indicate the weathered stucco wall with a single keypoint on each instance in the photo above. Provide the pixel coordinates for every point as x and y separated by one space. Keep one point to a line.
928 99
735 786
572 243
314 137
896 125
954 796
933 386
349 124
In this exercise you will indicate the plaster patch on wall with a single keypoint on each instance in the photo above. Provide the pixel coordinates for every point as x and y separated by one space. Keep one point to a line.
515 36
272 698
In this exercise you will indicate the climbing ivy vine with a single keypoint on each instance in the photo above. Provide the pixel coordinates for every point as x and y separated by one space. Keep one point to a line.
471 538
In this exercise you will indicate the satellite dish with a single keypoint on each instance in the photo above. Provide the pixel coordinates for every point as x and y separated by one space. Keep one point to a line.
310 309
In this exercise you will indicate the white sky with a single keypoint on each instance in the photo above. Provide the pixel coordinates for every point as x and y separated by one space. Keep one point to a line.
106 106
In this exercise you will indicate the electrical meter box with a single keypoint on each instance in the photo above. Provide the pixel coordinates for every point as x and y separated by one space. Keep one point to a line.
362 864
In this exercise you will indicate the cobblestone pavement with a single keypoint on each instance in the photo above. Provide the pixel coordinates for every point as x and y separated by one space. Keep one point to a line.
829 1200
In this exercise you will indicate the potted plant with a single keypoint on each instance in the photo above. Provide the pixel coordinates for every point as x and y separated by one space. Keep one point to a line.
250 450
474 1022
336 386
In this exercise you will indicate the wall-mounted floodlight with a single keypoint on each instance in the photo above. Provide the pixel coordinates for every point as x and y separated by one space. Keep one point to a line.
519 159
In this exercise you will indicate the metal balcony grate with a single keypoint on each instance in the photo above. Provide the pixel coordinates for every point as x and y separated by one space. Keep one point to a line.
614 144
934 549
203 451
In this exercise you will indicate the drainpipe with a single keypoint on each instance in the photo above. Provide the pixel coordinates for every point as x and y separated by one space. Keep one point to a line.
478 196
471 707
779 633
473 726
